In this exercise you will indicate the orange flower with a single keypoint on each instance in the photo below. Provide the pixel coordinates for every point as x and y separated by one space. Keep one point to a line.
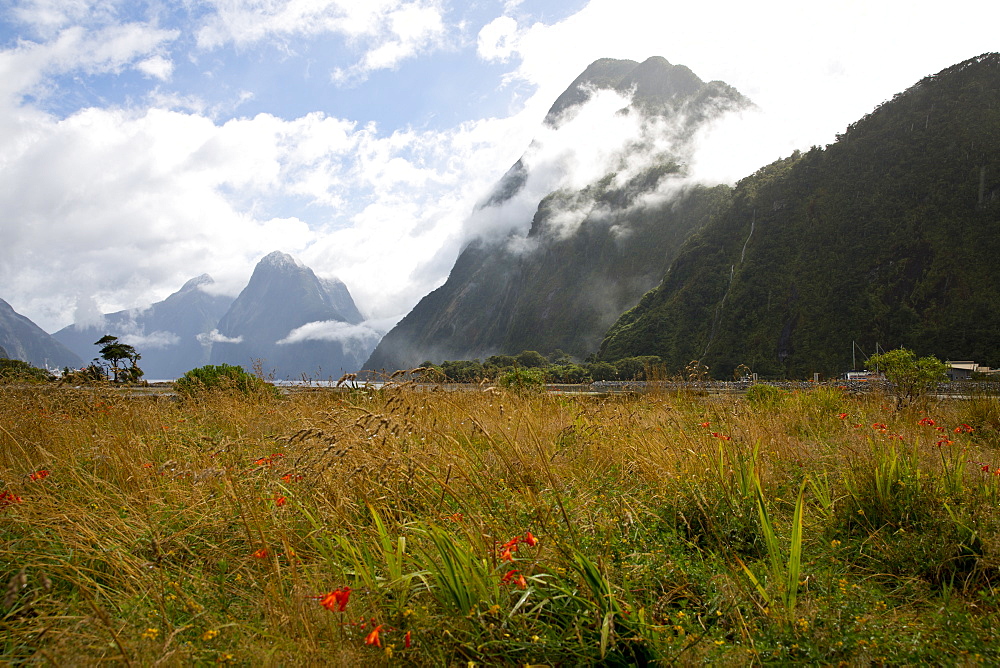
927 421
40 475
262 553
280 500
506 555
288 477
372 638
530 539
842 415
515 577
406 640
704 424
7 498
336 601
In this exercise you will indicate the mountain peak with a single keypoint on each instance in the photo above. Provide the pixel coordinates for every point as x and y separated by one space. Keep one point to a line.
653 82
280 260
197 282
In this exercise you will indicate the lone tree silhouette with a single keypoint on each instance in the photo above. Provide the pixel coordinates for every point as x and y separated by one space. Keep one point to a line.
115 354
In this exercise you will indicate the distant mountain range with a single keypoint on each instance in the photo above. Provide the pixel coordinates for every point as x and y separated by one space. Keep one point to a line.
287 321
165 334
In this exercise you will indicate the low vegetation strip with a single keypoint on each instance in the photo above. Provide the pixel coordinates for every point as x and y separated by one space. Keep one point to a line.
497 527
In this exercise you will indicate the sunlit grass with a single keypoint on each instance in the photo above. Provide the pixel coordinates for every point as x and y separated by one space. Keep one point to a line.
495 527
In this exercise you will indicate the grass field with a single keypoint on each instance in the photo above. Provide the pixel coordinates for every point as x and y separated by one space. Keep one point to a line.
485 527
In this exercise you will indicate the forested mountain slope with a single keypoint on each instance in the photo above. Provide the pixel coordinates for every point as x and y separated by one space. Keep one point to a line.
890 235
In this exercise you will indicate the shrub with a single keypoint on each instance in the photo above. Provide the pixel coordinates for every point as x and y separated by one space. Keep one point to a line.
762 395
225 377
602 371
16 370
531 358
911 378
523 380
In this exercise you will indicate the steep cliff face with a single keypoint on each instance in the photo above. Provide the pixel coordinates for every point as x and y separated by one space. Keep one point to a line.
589 251
292 321
887 236
166 334
24 340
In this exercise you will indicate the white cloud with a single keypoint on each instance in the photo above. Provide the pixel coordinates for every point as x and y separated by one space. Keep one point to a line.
217 337
498 39
156 67
152 341
357 340
385 32
76 49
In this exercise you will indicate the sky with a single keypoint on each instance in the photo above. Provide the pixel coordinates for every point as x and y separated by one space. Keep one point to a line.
145 142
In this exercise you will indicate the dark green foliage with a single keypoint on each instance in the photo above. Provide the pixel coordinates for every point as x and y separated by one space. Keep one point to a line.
885 237
602 371
120 360
224 377
637 368
18 371
531 358
463 371
501 361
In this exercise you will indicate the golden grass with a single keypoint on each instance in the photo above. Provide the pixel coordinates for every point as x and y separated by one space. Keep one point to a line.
176 532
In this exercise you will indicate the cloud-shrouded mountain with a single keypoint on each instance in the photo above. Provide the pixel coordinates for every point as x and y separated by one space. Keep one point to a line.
293 322
167 334
888 236
24 340
581 226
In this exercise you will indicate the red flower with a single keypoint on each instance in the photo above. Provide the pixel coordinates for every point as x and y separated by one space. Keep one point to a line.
842 415
288 477
406 640
985 467
506 555
7 498
515 577
704 424
280 500
927 421
262 553
530 539
372 638
944 441
336 601
40 475
963 428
